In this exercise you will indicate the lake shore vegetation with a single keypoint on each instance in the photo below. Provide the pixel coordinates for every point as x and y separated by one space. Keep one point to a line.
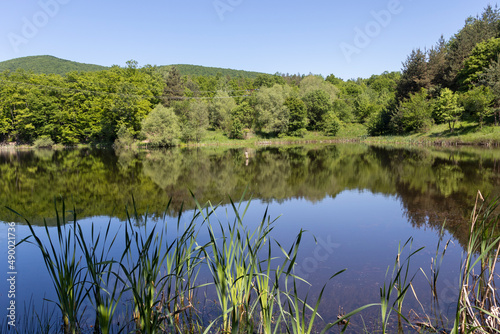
447 94
157 274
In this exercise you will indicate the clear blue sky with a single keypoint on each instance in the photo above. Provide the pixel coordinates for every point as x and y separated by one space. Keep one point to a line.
268 36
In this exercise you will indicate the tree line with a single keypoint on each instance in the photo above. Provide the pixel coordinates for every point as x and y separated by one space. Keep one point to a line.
454 80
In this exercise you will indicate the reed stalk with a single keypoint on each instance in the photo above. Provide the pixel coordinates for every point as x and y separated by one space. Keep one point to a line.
478 310
399 283
104 292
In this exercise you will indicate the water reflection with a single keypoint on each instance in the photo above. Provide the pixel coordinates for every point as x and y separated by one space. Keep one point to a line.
359 201
432 184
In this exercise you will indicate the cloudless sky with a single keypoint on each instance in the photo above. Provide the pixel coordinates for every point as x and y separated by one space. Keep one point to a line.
259 35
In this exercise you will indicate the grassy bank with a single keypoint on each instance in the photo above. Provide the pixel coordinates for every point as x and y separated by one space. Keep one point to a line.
256 292
465 133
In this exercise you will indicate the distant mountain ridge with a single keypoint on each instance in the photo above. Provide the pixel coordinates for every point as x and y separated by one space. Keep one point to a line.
54 65
48 65
212 71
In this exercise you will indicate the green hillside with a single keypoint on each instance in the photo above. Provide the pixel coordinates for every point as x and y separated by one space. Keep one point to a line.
212 71
48 65
54 65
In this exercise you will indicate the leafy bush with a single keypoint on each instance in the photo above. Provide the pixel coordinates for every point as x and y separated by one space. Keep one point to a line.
44 142
298 116
236 130
161 127
124 137
330 124
413 115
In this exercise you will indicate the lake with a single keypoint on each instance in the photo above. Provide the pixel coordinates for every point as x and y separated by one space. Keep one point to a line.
358 203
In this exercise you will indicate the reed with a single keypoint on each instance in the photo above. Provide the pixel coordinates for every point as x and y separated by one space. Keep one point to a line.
105 292
432 279
183 261
399 283
141 264
256 290
478 310
232 260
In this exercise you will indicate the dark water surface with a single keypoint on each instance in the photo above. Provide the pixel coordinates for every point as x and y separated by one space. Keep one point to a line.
360 202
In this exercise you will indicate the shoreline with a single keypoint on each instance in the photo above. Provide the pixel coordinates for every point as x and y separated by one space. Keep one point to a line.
400 141
216 139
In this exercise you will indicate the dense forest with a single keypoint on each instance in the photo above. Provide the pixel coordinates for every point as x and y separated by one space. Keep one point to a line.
457 79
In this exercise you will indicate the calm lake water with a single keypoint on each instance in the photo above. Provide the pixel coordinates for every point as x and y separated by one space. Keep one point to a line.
357 202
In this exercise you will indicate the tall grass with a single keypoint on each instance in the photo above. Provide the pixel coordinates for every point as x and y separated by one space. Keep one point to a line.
104 292
478 310
252 275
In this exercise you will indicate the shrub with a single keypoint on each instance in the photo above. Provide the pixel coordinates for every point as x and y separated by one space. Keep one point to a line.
330 124
161 127
236 130
44 142
124 137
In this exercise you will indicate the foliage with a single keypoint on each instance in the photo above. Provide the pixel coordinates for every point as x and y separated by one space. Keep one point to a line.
379 124
491 78
236 129
447 108
476 30
318 105
313 83
480 58
196 70
48 65
266 80
367 104
414 75
43 142
272 115
124 137
413 114
245 114
194 121
477 102
161 127
81 107
220 111
173 90
298 116
90 107
330 124
344 110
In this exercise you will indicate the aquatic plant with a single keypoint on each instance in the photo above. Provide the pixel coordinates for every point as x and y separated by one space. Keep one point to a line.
478 310
256 289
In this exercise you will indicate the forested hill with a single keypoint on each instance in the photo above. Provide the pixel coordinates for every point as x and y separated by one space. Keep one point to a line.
48 65
54 65
212 71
